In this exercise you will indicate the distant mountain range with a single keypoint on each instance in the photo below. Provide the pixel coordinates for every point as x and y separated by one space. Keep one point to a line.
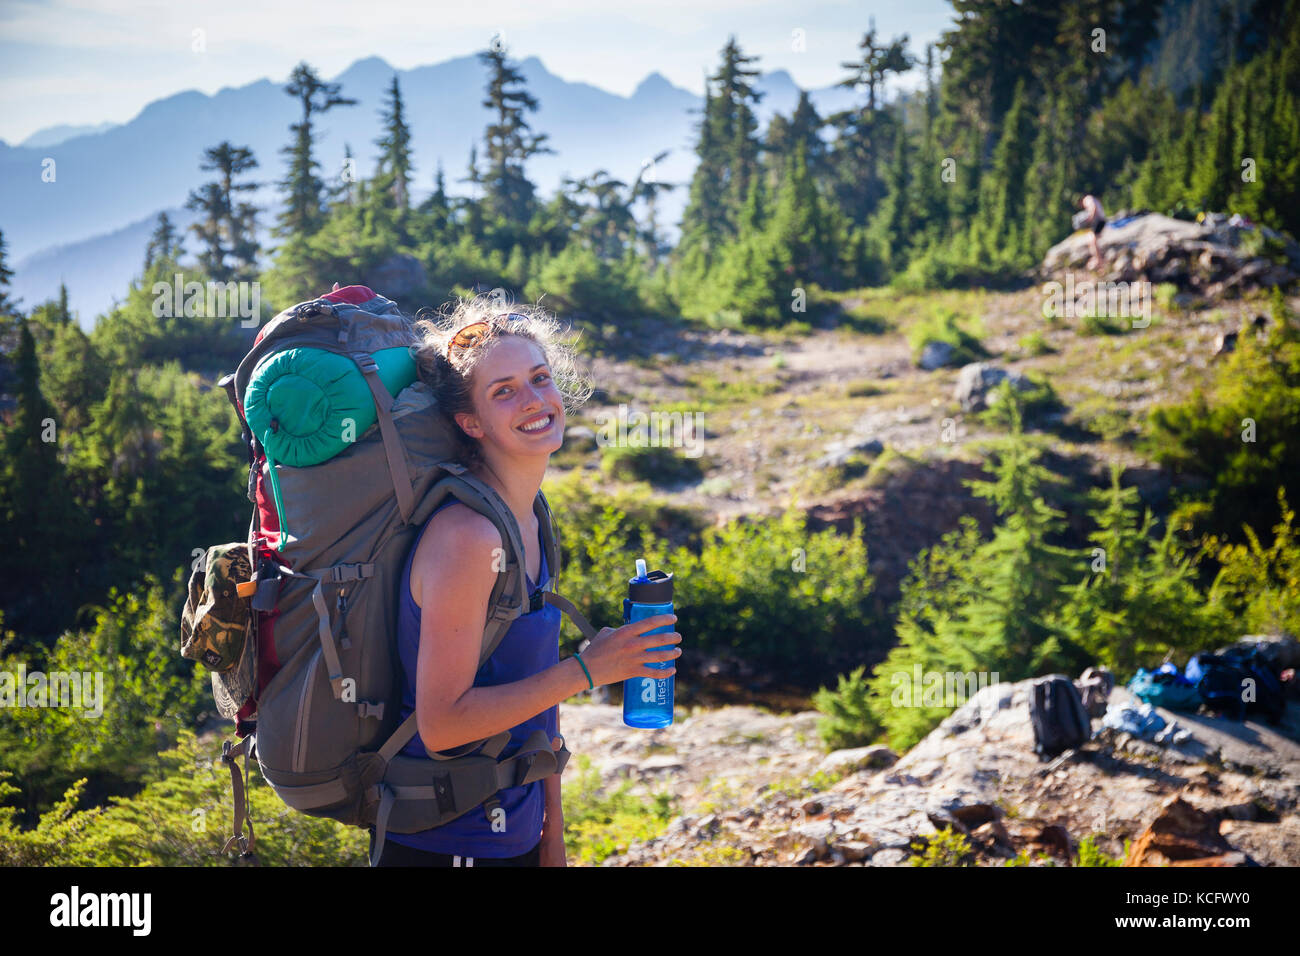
54 135
89 225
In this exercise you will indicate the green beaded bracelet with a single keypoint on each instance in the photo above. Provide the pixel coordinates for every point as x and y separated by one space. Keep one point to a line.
590 685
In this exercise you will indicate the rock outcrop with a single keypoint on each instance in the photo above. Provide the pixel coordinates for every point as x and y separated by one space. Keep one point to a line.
1209 258
755 789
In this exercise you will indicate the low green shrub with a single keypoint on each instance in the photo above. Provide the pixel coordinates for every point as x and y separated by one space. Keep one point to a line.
847 719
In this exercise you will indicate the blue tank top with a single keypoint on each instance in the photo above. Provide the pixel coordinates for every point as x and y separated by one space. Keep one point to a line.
530 645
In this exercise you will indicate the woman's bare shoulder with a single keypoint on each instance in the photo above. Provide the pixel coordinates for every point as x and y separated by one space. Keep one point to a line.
459 546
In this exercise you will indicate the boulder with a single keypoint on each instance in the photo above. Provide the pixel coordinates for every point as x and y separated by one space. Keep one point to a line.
975 381
838 453
935 355
398 276
858 758
1179 832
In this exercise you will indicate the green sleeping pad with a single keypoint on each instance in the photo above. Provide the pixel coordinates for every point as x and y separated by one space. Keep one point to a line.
306 405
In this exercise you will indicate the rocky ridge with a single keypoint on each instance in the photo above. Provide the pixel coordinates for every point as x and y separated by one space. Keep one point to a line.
757 789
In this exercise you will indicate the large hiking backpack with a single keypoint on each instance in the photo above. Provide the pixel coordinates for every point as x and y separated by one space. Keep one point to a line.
329 536
1057 716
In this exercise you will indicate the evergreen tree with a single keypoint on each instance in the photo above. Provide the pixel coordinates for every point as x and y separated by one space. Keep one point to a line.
805 128
750 282
897 212
704 222
647 188
1216 165
7 305
436 208
228 227
863 135
728 153
72 377
394 174
35 514
1012 624
509 196
1046 213
1137 599
473 206
735 116
211 202
64 311
800 229
303 213
1003 192
607 224
930 207
164 248
345 187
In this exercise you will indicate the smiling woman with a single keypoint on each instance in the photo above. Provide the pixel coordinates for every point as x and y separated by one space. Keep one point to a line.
505 378
457 345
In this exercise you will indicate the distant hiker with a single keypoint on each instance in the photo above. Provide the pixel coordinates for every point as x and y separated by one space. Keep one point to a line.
492 373
1094 218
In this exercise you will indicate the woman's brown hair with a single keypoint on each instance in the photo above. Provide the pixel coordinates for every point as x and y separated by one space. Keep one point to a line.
450 375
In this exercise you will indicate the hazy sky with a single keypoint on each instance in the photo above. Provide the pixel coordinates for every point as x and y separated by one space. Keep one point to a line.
90 61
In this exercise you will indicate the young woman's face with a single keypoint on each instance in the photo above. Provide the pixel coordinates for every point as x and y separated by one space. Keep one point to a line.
513 388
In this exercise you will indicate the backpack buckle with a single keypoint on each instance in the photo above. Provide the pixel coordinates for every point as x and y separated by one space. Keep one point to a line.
305 310
536 601
370 708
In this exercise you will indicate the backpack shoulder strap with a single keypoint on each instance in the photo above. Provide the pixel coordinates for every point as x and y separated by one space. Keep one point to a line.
509 596
551 542
550 537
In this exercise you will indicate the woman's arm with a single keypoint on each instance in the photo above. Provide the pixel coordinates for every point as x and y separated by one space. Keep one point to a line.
553 851
458 574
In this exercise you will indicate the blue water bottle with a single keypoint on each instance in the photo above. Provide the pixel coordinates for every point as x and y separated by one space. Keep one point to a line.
648 701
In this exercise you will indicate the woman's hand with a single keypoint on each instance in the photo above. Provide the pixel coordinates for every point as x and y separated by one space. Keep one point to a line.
552 848
616 654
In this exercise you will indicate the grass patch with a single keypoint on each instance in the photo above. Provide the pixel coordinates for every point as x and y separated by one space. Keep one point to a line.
1035 344
863 389
1093 324
729 391
794 787
598 825
1091 855
657 464
952 328
888 465
945 848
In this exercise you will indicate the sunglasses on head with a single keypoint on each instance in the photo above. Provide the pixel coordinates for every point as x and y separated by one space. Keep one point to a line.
475 332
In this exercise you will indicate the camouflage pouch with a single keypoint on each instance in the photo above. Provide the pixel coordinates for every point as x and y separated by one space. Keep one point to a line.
217 623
